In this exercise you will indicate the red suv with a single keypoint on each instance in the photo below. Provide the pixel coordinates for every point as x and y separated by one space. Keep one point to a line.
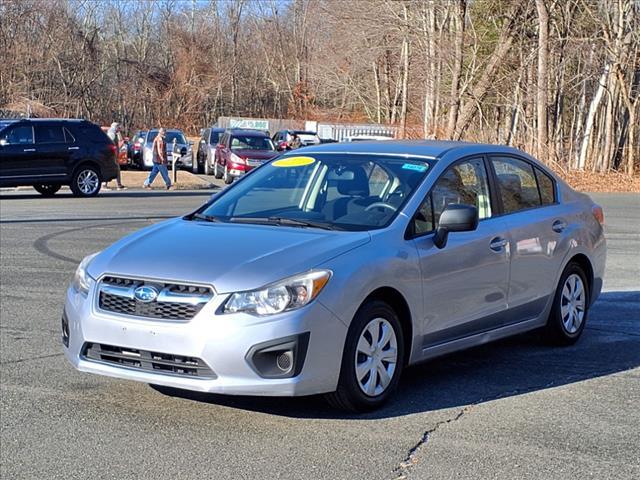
239 151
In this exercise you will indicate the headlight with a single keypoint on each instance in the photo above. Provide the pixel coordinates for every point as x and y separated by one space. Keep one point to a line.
288 294
82 281
236 159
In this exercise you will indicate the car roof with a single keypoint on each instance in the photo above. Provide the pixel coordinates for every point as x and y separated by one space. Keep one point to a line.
173 130
38 120
432 149
247 131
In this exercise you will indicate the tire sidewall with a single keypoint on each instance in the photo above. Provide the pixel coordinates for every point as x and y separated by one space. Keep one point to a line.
348 380
555 318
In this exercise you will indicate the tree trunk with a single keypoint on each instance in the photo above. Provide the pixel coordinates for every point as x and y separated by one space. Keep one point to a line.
593 108
542 87
454 101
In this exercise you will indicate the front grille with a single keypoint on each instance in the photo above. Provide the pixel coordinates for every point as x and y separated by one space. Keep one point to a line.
148 361
174 301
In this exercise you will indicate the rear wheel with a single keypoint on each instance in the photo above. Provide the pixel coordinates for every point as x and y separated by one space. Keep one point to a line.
216 171
86 182
47 190
372 359
568 314
226 177
207 167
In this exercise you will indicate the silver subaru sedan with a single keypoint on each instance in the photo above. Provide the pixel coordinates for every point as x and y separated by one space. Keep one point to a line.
337 266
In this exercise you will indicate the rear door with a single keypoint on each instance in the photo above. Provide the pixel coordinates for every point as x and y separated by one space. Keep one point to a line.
465 284
537 227
52 149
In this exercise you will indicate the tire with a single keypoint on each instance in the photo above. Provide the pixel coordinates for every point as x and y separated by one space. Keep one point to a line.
208 170
226 177
48 190
216 171
362 394
86 181
570 308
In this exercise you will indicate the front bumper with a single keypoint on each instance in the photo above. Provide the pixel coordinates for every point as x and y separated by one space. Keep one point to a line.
221 341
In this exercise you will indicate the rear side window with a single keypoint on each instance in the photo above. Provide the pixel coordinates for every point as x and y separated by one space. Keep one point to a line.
18 135
517 184
546 187
49 134
69 138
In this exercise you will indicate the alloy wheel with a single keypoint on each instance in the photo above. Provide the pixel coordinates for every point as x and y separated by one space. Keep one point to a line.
376 357
88 181
572 303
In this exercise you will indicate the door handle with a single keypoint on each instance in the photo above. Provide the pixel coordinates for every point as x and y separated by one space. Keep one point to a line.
497 244
558 226
29 150
74 148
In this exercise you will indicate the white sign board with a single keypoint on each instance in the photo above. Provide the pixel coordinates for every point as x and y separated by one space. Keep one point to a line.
248 123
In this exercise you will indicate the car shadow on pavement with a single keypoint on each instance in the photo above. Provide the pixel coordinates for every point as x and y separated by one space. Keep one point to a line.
514 366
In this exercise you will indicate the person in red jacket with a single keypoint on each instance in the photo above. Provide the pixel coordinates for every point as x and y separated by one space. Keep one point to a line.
159 151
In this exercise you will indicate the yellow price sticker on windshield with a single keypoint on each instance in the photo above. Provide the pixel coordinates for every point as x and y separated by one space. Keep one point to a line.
294 162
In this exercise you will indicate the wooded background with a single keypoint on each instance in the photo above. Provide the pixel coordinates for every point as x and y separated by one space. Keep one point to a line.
558 78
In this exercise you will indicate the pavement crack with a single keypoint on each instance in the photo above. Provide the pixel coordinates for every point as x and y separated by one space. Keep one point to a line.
617 332
38 357
411 459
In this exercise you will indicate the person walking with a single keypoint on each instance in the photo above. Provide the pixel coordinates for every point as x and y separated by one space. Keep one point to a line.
114 135
159 152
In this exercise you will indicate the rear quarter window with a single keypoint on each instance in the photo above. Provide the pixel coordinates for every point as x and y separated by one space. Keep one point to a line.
546 186
89 133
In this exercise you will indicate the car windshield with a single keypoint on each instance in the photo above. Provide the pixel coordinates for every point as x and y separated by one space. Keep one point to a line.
251 142
169 137
332 191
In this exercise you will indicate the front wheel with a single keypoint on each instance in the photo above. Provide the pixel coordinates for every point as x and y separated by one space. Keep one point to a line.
47 190
86 182
570 307
226 177
372 360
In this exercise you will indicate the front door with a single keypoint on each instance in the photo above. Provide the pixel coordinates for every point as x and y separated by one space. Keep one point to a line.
19 160
465 284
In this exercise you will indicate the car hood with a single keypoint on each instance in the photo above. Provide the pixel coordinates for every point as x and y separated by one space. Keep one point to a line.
232 257
256 154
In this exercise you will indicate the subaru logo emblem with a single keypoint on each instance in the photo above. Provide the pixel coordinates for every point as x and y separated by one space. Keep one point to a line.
145 293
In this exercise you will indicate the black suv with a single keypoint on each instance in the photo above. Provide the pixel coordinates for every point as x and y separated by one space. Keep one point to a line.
49 153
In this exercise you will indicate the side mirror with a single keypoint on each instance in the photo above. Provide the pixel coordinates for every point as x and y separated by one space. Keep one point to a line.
455 218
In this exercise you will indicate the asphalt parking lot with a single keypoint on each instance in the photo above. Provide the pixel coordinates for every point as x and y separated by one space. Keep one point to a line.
513 409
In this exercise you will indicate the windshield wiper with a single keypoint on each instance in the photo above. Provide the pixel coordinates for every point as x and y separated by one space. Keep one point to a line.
206 218
289 222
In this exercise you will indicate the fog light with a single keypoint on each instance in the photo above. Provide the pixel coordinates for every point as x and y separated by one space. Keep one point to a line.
281 358
65 330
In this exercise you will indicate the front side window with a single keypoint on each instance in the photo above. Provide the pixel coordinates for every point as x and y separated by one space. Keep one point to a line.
335 191
517 184
464 183
18 135
49 134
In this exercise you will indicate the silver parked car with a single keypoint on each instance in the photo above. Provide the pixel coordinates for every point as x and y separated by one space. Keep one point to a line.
174 139
337 269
